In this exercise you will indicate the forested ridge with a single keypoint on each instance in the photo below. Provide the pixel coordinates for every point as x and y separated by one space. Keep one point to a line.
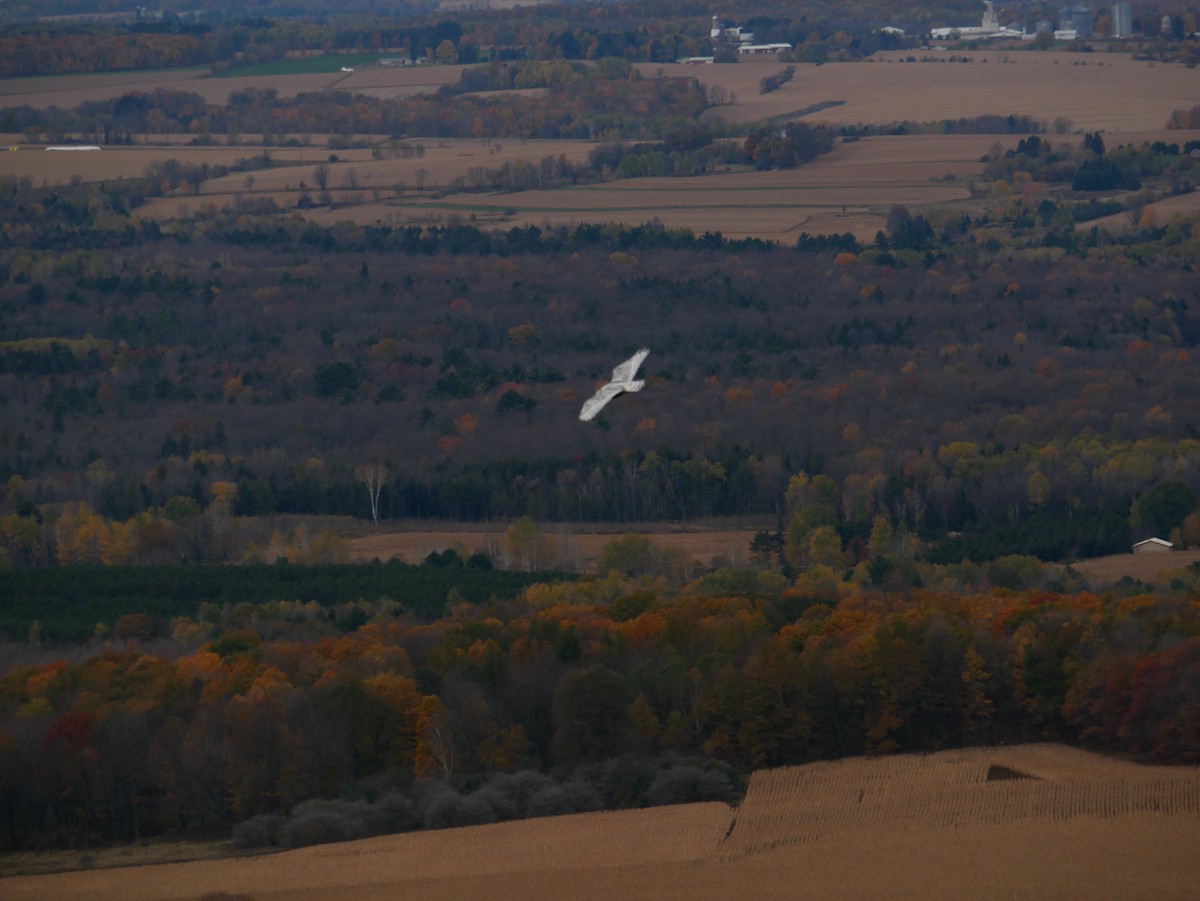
570 696
244 365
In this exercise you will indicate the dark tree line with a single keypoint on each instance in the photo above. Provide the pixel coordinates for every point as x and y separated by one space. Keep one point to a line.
605 102
139 602
272 721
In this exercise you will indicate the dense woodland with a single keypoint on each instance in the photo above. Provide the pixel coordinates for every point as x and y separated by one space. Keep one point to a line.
1010 384
573 696
916 424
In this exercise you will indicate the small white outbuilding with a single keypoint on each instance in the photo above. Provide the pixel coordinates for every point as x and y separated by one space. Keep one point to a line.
1152 546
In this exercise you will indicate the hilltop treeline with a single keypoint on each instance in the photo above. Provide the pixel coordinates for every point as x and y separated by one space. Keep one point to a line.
228 39
622 692
607 101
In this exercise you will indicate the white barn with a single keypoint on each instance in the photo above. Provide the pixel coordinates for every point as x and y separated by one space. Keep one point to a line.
1152 546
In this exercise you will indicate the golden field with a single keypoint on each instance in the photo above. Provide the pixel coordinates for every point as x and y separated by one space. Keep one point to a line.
1109 92
849 190
1030 822
578 550
1151 568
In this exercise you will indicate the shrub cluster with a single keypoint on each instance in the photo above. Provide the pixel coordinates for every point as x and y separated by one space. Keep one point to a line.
628 781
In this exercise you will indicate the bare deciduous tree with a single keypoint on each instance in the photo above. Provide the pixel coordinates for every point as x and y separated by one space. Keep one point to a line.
373 475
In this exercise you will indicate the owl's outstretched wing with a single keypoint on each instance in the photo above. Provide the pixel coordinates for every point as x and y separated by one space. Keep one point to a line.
627 370
599 400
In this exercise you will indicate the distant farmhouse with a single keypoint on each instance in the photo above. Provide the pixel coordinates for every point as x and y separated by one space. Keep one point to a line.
740 41
734 35
1152 546
990 29
1075 18
1074 23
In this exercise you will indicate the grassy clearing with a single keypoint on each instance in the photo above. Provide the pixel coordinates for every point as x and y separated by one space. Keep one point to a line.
952 790
1149 568
577 550
36 863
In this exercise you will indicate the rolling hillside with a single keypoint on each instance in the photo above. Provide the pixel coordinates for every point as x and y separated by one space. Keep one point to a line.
1033 821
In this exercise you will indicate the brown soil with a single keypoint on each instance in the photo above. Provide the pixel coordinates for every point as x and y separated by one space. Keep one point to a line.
849 190
926 827
1101 91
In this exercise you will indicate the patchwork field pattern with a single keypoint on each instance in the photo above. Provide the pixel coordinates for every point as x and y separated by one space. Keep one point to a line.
851 190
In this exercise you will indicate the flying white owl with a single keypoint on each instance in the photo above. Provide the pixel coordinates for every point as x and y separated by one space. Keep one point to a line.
622 380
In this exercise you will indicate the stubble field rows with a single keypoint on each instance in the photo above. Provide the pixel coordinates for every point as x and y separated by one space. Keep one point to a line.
953 789
1037 821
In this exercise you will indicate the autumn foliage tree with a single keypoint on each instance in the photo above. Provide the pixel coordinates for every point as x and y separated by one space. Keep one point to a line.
257 709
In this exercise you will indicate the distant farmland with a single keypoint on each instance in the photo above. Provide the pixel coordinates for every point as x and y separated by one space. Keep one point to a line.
851 190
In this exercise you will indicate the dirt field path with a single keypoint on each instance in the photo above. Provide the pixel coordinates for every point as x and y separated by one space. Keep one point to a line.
1062 824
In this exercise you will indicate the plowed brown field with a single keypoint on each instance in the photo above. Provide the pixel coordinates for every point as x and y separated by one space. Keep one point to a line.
1038 821
1111 92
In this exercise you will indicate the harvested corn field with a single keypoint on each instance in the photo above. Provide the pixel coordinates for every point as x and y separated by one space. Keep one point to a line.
952 790
1035 821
